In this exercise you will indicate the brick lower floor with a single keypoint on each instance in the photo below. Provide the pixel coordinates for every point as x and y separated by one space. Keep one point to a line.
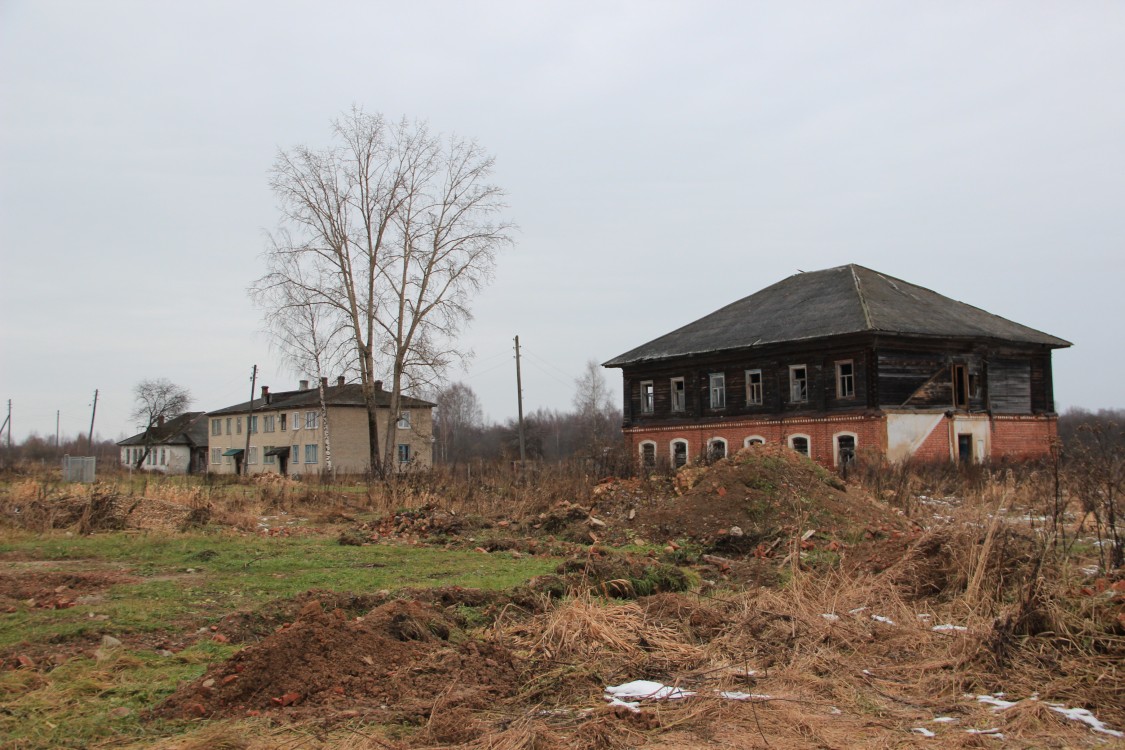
931 437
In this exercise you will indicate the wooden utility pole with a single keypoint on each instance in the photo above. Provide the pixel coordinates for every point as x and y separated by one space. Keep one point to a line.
249 421
57 412
93 413
8 424
519 399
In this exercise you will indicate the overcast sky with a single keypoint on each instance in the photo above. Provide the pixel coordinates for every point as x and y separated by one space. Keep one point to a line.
661 160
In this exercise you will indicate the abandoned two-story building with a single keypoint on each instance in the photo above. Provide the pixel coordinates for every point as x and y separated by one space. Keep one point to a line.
290 433
838 363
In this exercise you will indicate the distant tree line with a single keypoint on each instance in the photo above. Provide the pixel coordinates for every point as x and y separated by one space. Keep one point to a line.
39 448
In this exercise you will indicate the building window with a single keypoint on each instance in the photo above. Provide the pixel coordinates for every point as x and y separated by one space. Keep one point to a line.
404 453
960 387
216 427
252 424
716 449
253 459
753 440
238 425
648 455
403 421
295 454
679 453
266 457
648 397
228 425
310 451
845 379
679 402
163 458
216 455
281 421
312 421
798 384
269 423
296 420
844 449
718 390
753 387
800 443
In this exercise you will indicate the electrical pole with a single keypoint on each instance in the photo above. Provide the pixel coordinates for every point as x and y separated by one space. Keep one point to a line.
57 430
519 398
93 413
249 421
8 424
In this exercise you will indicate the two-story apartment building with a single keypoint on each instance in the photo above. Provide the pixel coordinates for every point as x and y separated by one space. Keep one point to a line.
837 362
291 433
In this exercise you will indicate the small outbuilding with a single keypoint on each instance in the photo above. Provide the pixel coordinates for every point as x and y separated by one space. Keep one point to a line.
175 446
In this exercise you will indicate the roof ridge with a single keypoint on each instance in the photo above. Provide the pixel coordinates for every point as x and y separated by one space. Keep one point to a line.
862 300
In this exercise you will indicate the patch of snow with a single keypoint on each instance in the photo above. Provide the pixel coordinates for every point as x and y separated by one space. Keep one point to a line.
885 620
734 695
995 701
1092 570
924 616
856 611
944 720
631 705
949 628
830 617
1084 716
647 689
834 711
923 731
987 732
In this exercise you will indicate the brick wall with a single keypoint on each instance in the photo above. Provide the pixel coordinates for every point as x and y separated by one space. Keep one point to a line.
936 447
870 432
1022 438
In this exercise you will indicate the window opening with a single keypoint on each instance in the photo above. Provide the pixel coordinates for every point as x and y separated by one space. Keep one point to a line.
845 380
798 384
754 387
679 402
960 387
648 398
679 453
718 390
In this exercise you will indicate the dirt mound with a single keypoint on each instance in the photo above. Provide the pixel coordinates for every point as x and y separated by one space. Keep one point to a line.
753 502
103 509
397 662
50 590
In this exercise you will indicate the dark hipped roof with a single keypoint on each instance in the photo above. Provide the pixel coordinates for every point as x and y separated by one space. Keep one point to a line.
334 395
844 300
187 429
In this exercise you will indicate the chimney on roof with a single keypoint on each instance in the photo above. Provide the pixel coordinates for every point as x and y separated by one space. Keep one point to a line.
304 385
266 393
324 382
160 420
378 385
340 380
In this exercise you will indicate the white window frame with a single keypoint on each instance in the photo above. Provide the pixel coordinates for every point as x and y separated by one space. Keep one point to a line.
269 423
314 452
795 394
836 446
252 424
750 439
799 436
216 455
296 421
163 457
228 424
268 459
403 422
681 406
252 457
238 425
294 454
842 379
641 451
672 452
312 420
717 441
755 392
717 387
648 397
216 427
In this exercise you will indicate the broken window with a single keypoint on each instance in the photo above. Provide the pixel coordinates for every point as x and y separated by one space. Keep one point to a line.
718 390
845 379
798 384
717 449
845 450
753 387
648 455
679 453
960 387
799 443
753 440
678 400
647 397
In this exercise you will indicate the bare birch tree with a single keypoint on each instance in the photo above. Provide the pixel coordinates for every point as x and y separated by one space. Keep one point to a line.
156 401
392 229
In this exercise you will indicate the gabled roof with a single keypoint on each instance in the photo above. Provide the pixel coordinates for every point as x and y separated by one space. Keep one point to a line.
190 428
336 395
837 301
